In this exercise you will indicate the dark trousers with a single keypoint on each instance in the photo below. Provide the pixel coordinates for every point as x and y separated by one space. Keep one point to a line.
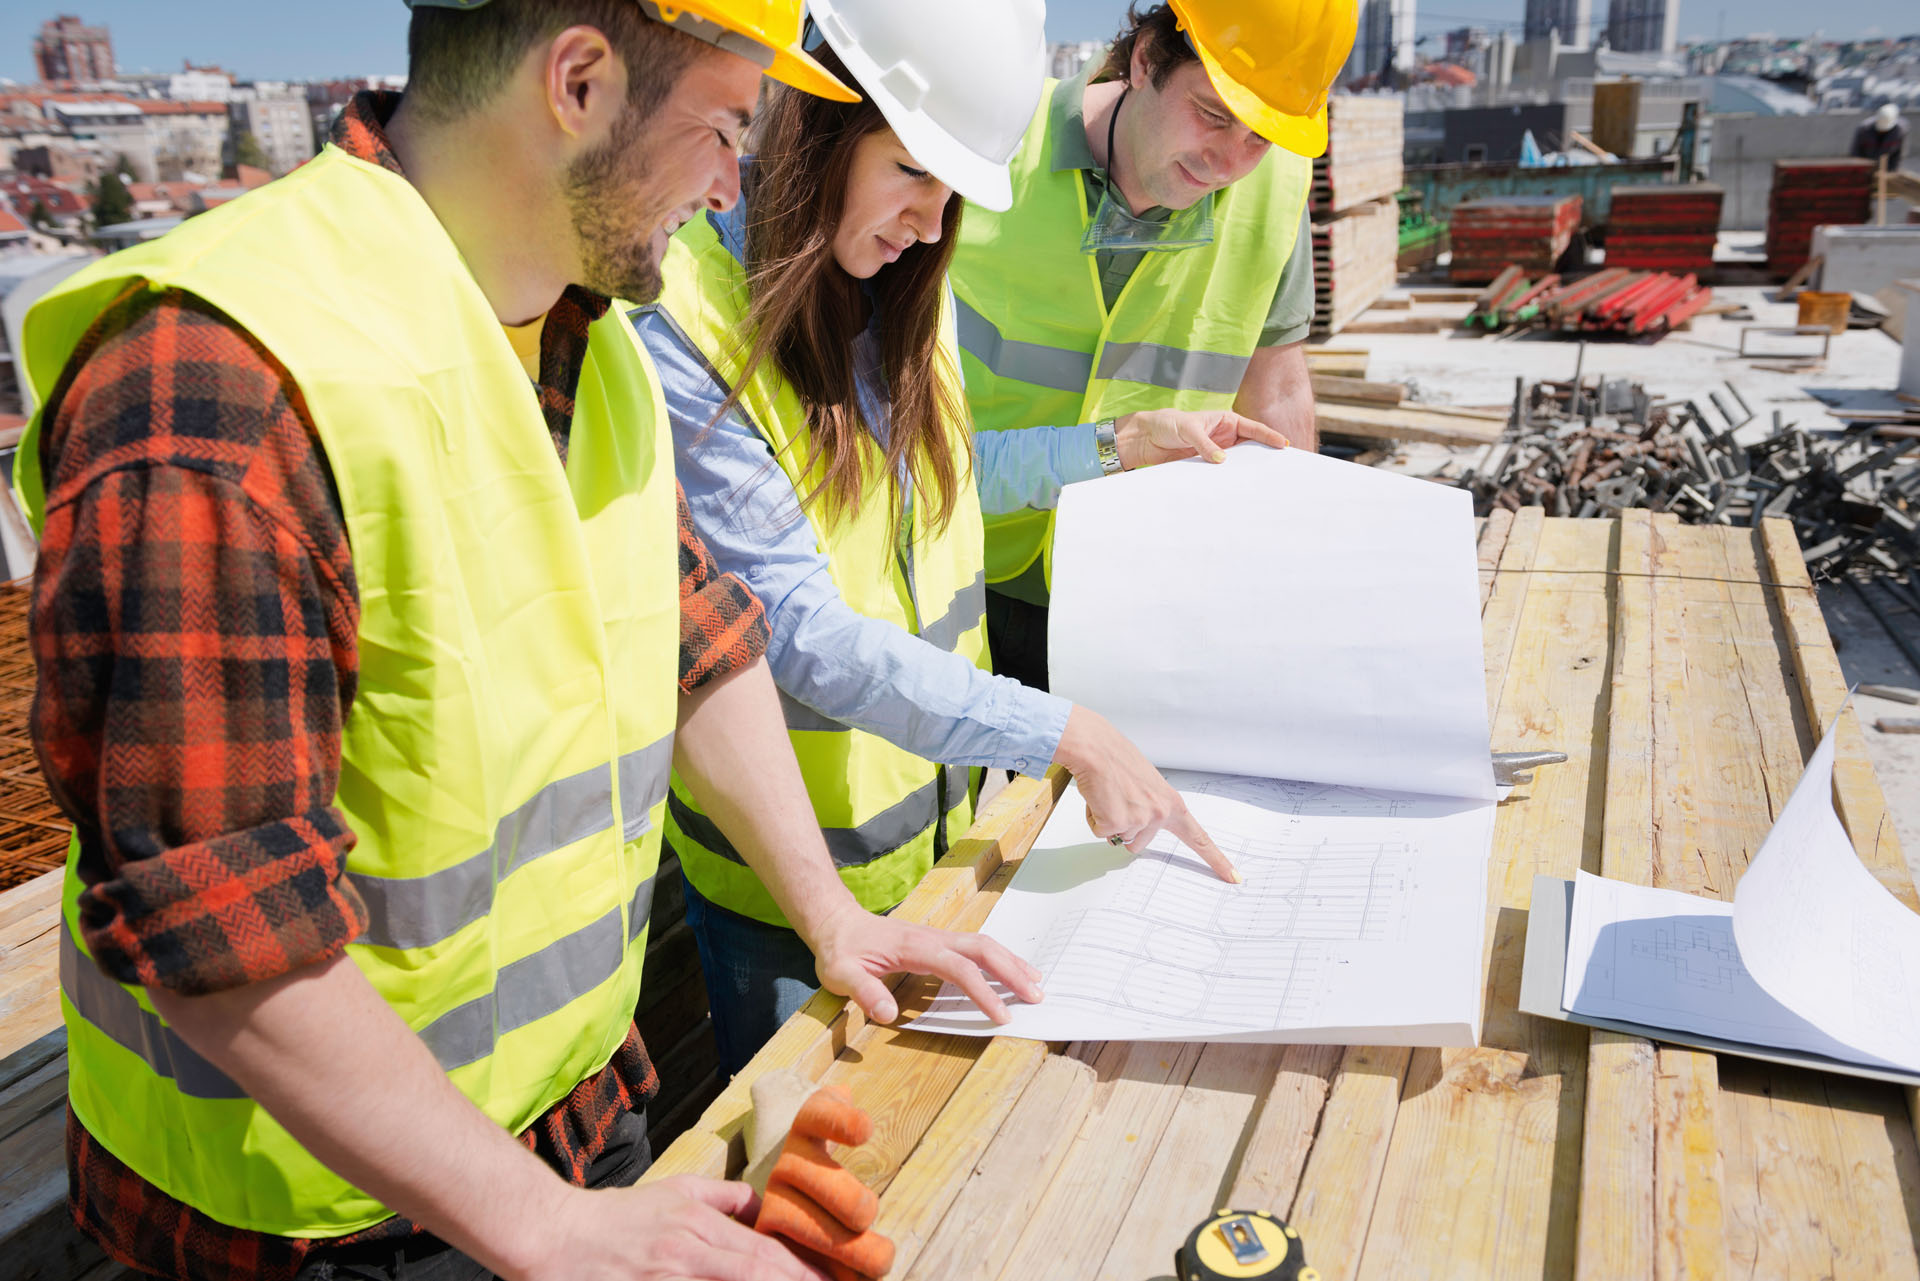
426 1258
1017 635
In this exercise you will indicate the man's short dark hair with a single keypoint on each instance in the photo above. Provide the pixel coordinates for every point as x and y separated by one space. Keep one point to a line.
458 59
1167 47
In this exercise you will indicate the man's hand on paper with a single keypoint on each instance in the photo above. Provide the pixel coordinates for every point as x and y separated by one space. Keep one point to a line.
854 950
1125 795
1163 435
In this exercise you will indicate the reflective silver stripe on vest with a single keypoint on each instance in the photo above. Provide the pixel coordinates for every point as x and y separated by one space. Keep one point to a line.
417 911
1026 362
713 33
879 836
527 990
1173 368
114 1011
641 909
644 775
963 615
524 992
1153 364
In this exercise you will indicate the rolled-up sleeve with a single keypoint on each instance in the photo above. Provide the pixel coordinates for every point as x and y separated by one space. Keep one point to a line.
193 626
825 656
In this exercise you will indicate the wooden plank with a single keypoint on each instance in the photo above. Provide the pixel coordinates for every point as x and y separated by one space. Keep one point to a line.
1404 325
1334 1204
1616 1164
1019 1165
946 1157
1194 1164
1823 691
1494 530
1331 387
1067 1234
1482 1173
1373 422
1503 602
30 965
1283 1133
813 1038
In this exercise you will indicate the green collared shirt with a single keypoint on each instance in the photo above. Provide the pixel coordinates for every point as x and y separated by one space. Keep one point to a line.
1291 315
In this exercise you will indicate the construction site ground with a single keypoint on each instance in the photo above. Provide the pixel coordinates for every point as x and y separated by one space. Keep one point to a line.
1460 367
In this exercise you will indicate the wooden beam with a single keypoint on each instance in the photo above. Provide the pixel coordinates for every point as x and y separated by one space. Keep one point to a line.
947 1156
1331 387
1616 1162
1019 1165
1374 422
30 927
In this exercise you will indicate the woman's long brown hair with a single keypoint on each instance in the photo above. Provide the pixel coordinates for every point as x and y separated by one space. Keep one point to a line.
804 311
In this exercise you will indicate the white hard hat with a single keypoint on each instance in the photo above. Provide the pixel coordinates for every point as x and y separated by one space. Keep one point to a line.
958 82
1887 117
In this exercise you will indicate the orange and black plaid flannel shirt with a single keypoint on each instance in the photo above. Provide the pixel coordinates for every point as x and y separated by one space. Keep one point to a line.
194 618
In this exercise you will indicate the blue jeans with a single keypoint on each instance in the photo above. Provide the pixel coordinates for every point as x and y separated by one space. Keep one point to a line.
757 976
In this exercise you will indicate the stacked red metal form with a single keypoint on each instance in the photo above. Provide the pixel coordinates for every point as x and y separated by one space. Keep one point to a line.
1664 228
1496 232
1617 302
1809 194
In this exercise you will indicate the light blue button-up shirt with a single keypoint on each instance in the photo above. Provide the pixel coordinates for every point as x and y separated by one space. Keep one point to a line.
850 668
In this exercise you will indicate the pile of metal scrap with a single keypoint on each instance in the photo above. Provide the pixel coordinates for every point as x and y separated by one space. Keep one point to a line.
1617 302
1596 447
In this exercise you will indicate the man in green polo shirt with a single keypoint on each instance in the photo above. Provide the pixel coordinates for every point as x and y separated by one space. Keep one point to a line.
1155 257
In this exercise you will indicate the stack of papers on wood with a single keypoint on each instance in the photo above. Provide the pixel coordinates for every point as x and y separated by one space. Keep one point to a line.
1813 963
1296 641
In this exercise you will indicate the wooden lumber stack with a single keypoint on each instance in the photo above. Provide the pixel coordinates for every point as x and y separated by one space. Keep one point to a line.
1366 136
1354 262
1809 194
1662 228
1497 232
1356 220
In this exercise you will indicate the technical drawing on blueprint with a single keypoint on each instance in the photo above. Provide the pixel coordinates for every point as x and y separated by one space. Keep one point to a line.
1360 912
1667 959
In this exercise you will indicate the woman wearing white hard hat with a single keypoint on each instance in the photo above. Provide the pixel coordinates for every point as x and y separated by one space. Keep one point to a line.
806 347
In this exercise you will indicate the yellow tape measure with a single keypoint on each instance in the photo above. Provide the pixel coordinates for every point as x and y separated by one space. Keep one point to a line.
1235 1244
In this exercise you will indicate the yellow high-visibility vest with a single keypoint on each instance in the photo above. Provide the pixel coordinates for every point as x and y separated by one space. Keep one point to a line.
1039 346
879 805
506 759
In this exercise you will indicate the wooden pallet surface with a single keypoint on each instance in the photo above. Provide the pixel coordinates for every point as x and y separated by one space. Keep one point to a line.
1687 673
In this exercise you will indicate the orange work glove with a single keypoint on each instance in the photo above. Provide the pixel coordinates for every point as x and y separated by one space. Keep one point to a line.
817 1204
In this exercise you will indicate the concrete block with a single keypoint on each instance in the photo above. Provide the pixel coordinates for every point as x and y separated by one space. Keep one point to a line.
1863 259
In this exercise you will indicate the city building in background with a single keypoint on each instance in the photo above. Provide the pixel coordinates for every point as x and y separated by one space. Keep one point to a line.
67 50
1644 26
1384 47
277 116
1568 21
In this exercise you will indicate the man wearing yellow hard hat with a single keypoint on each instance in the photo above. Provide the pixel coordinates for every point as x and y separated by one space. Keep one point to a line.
1156 255
371 624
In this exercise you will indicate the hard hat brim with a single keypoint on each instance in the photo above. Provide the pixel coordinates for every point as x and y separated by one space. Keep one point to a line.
796 67
978 180
1302 135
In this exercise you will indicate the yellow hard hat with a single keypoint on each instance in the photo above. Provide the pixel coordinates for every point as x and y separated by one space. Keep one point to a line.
1273 62
762 31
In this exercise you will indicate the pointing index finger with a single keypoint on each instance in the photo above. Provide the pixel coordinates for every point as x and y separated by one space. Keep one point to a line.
1188 829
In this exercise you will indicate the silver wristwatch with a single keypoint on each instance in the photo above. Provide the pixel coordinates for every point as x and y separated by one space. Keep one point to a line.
1106 444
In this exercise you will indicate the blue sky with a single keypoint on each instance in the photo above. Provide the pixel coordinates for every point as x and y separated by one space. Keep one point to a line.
362 37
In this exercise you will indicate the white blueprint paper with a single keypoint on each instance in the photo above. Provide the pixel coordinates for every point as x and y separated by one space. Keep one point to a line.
1822 935
1669 959
1361 920
1280 614
1813 953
